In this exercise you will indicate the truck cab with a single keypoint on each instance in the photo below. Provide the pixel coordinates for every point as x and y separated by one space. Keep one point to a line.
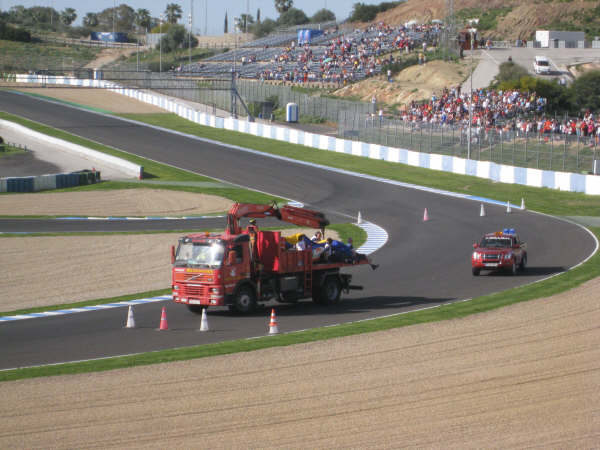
502 250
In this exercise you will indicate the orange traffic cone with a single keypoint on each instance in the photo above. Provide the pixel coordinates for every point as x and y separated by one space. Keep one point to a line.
130 318
425 216
273 328
163 320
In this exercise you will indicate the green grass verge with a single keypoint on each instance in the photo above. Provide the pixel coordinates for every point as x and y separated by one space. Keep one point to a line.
555 285
545 200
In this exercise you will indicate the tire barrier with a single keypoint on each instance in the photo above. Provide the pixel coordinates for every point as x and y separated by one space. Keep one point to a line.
46 182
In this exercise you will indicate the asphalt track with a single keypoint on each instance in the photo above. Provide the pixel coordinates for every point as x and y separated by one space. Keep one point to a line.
422 265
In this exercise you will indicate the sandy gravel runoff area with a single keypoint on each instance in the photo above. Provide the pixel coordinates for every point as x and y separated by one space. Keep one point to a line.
125 202
522 376
96 98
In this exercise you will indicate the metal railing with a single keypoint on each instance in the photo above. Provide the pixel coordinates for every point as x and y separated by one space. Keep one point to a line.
505 145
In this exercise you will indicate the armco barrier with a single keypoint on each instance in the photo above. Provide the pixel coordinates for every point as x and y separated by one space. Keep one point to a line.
589 184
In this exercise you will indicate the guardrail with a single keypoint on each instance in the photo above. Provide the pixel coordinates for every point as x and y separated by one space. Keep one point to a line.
588 184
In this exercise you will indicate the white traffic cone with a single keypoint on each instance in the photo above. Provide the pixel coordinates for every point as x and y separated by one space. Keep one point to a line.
130 319
522 203
273 328
204 321
482 211
359 219
507 207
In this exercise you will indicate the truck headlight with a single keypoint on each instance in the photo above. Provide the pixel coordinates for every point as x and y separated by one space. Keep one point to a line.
176 287
476 255
508 256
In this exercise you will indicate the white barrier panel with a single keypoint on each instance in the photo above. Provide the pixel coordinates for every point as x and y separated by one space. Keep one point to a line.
125 166
590 184
44 182
3 186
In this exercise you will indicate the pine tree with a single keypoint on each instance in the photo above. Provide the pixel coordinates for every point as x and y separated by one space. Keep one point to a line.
226 28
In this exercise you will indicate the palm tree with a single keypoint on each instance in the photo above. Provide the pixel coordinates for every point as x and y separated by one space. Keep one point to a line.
173 12
283 5
143 18
90 20
68 16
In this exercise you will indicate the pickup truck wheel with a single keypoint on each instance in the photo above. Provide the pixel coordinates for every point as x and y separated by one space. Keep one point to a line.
476 271
245 300
523 263
513 268
331 291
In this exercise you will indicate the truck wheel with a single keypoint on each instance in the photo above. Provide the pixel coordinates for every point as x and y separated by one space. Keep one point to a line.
196 309
523 263
513 268
245 300
476 271
331 291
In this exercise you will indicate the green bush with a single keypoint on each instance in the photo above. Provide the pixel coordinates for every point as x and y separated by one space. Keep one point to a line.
10 33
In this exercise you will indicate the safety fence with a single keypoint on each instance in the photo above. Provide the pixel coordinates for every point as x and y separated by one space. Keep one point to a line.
589 184
504 145
260 97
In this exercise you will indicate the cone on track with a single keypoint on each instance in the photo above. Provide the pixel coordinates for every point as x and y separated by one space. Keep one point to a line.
522 203
130 319
204 321
273 328
482 211
359 219
507 207
163 320
425 215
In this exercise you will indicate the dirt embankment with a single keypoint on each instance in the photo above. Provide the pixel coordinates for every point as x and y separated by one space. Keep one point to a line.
413 83
524 17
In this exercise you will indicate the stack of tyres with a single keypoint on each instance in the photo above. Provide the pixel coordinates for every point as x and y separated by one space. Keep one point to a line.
72 179
24 184
61 181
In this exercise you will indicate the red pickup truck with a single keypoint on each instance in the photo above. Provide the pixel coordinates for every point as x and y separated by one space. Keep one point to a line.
501 250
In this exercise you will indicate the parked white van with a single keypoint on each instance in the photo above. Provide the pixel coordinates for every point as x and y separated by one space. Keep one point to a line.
541 64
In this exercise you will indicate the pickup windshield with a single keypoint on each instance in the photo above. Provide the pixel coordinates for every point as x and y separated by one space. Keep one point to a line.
495 243
199 254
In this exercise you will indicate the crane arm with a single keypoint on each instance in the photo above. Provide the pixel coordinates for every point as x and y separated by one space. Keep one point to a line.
290 214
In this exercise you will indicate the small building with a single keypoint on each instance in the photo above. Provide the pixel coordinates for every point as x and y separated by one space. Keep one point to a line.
108 37
305 36
547 39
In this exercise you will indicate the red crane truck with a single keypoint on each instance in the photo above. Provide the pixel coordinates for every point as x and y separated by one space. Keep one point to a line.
242 267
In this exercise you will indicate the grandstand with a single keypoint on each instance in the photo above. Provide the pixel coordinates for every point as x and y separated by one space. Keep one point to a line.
337 55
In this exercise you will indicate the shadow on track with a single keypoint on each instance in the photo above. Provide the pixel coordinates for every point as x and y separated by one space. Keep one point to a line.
346 306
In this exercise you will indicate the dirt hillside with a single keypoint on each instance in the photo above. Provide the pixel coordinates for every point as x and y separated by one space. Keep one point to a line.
520 23
413 83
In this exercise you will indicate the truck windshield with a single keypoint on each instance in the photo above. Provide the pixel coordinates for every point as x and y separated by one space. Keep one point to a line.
542 63
199 254
495 243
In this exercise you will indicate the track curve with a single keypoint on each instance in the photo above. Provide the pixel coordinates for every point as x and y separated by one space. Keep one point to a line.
423 263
